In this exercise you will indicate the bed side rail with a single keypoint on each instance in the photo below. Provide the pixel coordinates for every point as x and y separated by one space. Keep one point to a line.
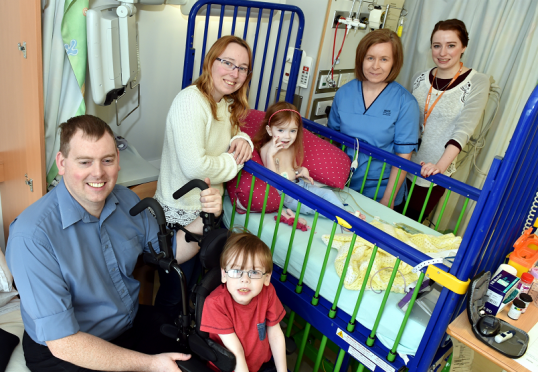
245 11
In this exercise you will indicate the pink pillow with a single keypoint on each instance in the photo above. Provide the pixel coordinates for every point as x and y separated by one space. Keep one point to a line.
326 163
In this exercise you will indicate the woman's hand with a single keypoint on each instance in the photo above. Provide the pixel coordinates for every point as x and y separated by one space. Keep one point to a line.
241 150
211 200
429 169
275 147
304 173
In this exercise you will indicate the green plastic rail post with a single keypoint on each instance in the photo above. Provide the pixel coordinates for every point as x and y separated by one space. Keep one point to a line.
394 187
380 179
409 195
339 360
319 357
315 299
302 347
275 234
351 324
366 173
461 216
290 324
235 202
392 353
425 203
263 210
332 312
284 274
360 368
250 201
442 210
370 340
299 287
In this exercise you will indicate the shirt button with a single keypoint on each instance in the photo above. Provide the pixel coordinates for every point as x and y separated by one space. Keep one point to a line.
106 246
114 269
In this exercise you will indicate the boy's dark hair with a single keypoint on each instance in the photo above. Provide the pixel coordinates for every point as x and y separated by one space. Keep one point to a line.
91 126
251 247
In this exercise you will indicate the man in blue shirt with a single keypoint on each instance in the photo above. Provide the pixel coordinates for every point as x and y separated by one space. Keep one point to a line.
72 254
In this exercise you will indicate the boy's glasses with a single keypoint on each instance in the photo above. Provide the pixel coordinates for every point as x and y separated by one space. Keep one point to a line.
230 66
252 274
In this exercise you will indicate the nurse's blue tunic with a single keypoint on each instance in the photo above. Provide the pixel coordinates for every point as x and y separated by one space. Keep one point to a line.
391 123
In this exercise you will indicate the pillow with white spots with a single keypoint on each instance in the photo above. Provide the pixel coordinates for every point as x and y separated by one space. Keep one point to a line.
326 163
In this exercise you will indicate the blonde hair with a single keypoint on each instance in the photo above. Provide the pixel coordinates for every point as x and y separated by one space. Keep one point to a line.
251 247
239 108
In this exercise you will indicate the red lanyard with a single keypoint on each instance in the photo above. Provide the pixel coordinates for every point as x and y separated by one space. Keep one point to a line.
428 112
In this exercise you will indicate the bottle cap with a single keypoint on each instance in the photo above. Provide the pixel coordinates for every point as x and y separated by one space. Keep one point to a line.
527 278
519 303
525 297
534 272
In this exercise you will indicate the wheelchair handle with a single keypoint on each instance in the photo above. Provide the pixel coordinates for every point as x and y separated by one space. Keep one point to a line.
155 206
207 218
188 187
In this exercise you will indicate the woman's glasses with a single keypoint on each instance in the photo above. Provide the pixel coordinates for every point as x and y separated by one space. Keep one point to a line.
252 274
230 66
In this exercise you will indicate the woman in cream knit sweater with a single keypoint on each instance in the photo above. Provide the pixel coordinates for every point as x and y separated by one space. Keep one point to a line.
203 140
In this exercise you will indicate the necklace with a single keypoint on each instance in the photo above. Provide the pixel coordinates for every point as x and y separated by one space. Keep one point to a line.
437 85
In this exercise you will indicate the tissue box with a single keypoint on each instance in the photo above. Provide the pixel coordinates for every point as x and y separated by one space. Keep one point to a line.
502 289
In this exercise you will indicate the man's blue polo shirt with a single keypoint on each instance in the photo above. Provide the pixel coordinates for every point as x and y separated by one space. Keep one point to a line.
74 271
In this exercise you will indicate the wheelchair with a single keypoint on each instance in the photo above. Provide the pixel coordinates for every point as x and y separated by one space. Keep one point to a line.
186 327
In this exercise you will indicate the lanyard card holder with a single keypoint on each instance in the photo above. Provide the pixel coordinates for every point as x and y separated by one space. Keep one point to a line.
486 327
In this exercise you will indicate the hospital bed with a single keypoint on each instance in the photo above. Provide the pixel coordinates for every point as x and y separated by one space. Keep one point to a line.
366 326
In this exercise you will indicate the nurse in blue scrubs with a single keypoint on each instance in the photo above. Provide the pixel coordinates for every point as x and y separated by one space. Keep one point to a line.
377 110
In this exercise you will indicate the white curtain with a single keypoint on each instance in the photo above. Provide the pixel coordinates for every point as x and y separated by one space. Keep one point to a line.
64 69
503 43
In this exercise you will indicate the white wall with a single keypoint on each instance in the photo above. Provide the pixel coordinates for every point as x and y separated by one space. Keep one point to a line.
162 33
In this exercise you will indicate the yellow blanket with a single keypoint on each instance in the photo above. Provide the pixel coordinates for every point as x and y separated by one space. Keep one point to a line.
363 250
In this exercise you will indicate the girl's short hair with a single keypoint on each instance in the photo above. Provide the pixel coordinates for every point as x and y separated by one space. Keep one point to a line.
379 37
249 247
452 25
278 119
239 108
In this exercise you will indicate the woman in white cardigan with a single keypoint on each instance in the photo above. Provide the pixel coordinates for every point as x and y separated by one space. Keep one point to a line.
452 98
203 140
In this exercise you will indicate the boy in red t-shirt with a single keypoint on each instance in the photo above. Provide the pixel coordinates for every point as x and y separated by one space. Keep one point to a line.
244 313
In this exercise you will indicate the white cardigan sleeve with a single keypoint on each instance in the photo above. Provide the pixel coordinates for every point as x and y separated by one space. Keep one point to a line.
191 122
476 97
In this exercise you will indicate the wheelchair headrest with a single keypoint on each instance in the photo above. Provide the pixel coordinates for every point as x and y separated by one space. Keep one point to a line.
211 247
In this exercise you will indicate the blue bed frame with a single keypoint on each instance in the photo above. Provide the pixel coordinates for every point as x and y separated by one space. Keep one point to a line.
496 222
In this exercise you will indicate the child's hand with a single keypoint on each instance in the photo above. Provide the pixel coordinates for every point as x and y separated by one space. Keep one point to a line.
304 173
275 147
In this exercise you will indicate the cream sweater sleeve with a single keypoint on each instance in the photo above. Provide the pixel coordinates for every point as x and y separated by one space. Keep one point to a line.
200 142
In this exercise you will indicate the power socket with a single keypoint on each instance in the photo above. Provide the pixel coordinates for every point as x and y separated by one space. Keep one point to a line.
321 106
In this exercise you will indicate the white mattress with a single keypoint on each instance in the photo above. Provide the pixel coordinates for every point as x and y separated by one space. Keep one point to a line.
392 316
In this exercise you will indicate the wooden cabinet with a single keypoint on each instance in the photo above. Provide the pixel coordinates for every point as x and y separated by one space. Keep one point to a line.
22 142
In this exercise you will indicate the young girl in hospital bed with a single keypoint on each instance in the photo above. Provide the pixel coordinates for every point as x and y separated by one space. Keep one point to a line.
280 144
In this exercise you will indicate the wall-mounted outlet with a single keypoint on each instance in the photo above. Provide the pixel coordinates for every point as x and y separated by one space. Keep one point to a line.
321 106
339 14
345 78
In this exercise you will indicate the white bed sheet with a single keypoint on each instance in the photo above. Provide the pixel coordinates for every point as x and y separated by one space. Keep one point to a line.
371 302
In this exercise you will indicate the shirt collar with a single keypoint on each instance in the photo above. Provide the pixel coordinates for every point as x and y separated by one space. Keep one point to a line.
71 211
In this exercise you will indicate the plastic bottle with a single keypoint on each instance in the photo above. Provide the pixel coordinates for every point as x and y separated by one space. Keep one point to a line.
515 309
526 282
525 297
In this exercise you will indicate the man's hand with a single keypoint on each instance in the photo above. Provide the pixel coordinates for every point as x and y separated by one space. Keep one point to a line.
211 200
167 362
241 150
